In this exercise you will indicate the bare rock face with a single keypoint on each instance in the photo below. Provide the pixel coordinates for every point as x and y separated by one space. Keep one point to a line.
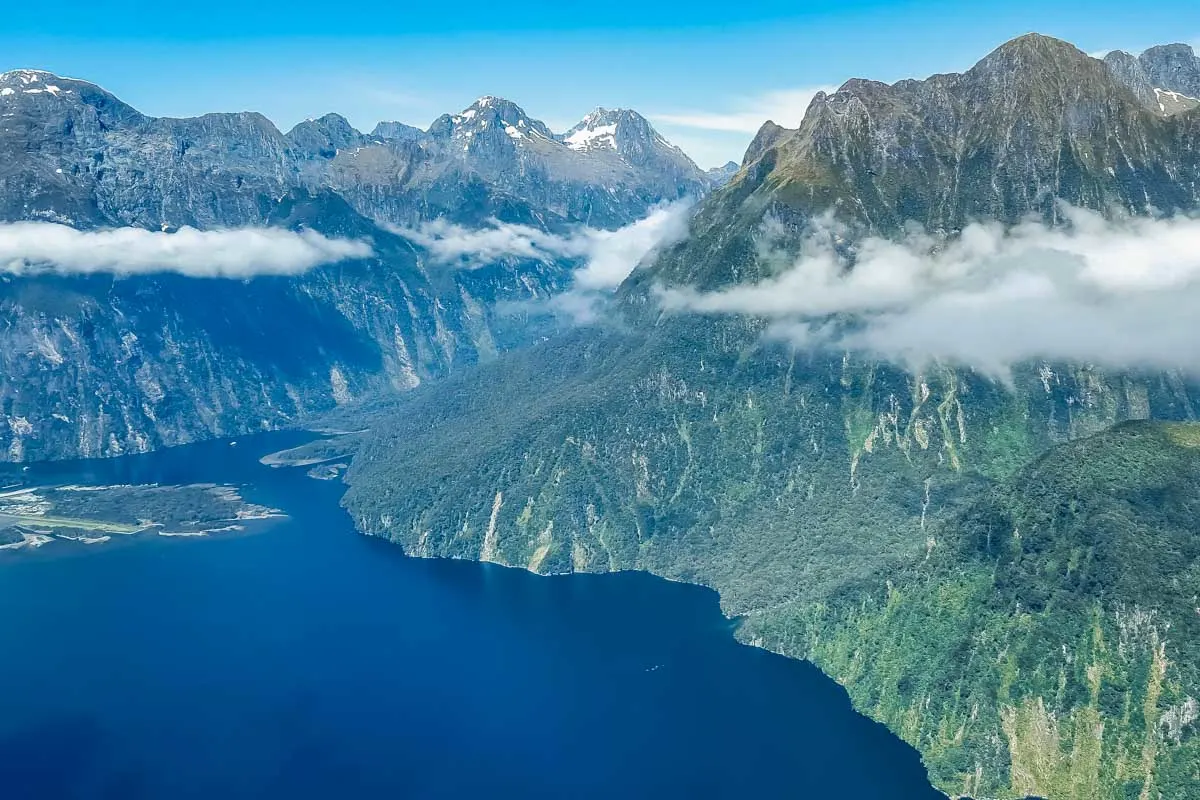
1164 78
1034 123
103 365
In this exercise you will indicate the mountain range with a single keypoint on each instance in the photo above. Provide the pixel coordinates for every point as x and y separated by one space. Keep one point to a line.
998 563
102 365
997 558
84 157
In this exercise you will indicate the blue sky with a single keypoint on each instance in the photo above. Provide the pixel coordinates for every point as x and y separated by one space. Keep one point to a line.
706 73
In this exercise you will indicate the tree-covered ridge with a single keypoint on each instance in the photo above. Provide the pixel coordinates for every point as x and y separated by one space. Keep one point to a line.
797 485
1053 630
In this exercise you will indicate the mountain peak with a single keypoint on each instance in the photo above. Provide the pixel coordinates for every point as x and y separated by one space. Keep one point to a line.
489 113
324 136
33 81
332 123
1165 78
42 88
721 175
596 131
611 129
1034 51
767 137
491 106
1173 67
1172 50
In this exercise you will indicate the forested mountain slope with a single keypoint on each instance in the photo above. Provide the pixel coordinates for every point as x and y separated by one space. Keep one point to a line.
838 499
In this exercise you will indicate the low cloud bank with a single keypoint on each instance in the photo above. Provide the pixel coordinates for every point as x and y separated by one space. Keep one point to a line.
604 258
39 247
1123 293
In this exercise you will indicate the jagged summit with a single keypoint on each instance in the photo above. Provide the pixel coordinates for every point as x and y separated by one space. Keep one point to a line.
722 174
1034 123
36 92
596 130
630 136
602 128
1038 45
40 81
1038 66
325 136
397 131
32 81
1165 78
73 146
489 114
332 123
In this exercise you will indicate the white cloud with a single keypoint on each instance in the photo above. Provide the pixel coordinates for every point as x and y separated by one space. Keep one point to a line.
603 258
784 107
1122 293
33 247
712 138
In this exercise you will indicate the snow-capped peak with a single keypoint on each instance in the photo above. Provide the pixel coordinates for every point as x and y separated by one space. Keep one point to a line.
592 137
30 81
597 130
490 113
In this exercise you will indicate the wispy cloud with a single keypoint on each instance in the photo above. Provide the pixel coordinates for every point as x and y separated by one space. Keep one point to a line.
34 247
1117 292
602 259
605 257
783 106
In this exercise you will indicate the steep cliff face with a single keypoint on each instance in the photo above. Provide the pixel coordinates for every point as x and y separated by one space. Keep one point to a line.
1034 123
835 500
1165 79
77 154
1046 642
103 365
803 487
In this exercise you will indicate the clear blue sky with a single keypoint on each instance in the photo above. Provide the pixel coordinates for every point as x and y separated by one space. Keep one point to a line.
706 73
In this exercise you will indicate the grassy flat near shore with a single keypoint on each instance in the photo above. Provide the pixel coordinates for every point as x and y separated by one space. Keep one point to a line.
36 515
74 522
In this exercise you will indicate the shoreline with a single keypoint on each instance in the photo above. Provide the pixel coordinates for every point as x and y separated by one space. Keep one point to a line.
734 630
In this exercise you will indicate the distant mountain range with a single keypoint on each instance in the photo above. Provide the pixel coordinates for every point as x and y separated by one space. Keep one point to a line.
80 155
101 365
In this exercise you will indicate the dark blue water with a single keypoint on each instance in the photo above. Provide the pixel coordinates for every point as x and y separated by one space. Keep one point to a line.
306 661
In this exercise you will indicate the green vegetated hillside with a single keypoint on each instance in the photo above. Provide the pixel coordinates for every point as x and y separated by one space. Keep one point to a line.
1048 640
1002 572
800 486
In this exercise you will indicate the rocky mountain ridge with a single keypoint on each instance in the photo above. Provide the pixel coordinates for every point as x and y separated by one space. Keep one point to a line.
101 365
1036 123
1165 78
84 157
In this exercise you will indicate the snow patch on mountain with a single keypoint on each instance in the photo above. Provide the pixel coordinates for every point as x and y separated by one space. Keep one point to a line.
590 138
